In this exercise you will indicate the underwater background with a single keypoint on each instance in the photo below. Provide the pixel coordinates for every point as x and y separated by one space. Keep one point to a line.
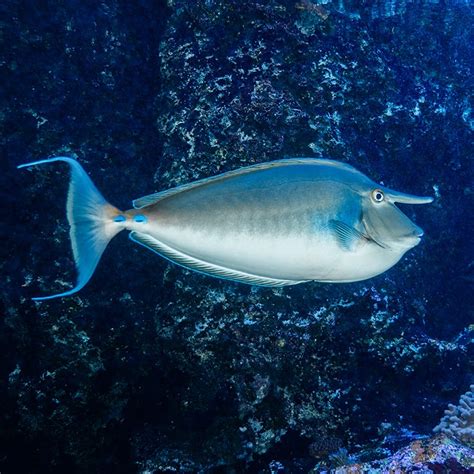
153 368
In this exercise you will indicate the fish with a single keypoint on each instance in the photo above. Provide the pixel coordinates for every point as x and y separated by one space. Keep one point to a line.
271 224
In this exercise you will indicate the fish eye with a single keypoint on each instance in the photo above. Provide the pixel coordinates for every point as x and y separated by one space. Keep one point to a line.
378 195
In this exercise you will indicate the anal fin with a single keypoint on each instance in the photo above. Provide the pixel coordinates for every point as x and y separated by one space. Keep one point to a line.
187 261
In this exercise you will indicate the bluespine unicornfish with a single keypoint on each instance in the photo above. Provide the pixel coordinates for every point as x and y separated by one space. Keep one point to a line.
272 224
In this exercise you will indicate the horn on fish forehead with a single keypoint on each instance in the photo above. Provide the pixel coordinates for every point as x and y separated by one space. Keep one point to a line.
404 198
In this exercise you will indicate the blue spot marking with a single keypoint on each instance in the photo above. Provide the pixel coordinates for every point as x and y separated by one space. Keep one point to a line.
120 218
140 218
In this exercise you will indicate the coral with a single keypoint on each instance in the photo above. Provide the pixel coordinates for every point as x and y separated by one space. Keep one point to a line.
438 454
458 421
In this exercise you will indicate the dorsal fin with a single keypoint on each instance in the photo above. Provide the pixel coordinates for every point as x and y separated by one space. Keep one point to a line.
153 198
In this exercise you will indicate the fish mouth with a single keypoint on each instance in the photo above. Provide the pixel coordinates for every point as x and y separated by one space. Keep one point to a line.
412 239
408 240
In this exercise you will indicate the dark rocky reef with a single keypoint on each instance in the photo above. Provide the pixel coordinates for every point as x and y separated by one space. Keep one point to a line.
152 368
438 454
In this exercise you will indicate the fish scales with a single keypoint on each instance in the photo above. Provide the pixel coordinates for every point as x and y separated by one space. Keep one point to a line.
285 209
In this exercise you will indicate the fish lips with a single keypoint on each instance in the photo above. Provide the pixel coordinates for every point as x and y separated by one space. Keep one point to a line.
413 239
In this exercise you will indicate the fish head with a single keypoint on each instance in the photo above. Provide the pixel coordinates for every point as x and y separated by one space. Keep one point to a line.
387 225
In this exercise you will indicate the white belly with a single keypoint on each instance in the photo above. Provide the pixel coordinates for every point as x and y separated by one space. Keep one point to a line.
286 256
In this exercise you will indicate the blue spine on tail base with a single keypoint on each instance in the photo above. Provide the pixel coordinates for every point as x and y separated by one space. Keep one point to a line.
91 220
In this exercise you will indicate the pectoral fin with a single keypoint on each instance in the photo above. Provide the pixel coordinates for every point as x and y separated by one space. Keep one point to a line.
347 236
201 266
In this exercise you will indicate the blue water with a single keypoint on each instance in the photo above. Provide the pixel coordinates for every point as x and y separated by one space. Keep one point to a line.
152 367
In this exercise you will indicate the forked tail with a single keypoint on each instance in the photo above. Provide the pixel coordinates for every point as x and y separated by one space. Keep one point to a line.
93 222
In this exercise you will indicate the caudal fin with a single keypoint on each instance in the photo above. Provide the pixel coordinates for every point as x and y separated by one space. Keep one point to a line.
93 222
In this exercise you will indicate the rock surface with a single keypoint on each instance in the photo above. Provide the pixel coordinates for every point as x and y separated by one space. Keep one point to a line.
439 454
152 368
